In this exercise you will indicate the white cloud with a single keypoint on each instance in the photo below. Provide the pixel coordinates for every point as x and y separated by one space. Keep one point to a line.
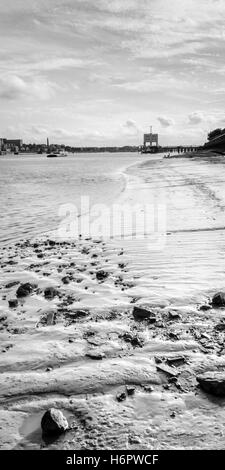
165 122
14 87
130 127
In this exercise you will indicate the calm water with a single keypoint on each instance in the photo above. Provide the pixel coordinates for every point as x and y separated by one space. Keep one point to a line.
33 188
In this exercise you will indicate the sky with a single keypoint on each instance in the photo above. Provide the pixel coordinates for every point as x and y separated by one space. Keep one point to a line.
100 72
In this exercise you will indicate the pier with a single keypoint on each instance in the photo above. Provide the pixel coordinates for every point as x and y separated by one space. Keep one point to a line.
151 145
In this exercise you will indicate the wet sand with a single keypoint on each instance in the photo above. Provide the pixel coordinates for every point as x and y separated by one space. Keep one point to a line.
81 348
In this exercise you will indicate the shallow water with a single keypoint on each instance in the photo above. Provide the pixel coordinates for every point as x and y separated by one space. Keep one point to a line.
33 188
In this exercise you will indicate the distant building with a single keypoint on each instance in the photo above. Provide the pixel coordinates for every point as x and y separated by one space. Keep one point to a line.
13 143
1 143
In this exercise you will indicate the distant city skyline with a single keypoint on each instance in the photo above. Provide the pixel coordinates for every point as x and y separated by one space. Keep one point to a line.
99 73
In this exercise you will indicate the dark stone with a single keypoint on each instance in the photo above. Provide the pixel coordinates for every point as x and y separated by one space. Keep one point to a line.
50 292
54 422
74 315
101 275
220 326
141 313
174 316
205 307
174 361
121 396
134 340
213 383
12 284
149 388
25 289
97 356
13 303
51 242
130 390
218 300
66 280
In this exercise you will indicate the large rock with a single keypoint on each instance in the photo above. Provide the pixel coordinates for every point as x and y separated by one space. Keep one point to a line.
50 292
13 303
54 422
141 313
25 289
218 299
101 275
213 382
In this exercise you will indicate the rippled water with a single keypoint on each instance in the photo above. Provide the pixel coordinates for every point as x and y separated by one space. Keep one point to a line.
33 188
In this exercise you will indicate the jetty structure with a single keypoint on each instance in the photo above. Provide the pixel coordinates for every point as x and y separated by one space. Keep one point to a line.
151 145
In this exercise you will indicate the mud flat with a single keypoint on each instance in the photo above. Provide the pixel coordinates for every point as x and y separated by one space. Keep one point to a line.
121 334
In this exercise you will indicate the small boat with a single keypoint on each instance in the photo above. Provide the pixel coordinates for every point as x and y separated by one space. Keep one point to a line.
56 155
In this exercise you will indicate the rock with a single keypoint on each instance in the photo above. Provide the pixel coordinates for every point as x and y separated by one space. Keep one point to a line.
205 307
149 388
48 318
170 371
172 380
11 284
218 300
50 292
13 303
51 242
213 383
101 275
175 360
75 314
134 340
98 356
54 422
220 326
130 390
66 280
25 289
141 313
174 316
121 396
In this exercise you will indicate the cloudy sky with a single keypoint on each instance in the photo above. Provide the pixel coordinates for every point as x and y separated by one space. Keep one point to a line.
100 72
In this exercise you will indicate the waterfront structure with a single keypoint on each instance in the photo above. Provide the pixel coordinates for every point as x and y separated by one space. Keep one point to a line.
13 143
10 144
151 139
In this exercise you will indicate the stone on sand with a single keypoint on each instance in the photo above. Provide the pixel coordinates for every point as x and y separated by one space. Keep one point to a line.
141 313
218 299
13 303
25 289
213 383
50 292
53 422
101 275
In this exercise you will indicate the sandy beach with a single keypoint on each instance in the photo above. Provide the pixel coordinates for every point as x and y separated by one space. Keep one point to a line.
116 332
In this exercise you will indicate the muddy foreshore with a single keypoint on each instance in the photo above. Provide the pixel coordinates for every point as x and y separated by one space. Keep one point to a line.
124 381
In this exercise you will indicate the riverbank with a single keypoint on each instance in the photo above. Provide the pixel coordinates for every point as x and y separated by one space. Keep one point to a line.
76 341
